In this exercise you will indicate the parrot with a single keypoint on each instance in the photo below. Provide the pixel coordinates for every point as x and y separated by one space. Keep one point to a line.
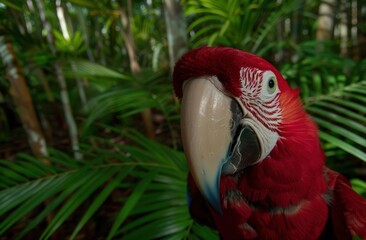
256 166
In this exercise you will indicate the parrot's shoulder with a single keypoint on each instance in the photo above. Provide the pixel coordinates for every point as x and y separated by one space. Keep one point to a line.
347 208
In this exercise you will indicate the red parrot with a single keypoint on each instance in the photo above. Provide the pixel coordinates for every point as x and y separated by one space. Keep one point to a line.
257 170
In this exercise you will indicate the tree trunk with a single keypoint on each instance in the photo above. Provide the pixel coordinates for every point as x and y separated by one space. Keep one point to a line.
349 27
360 51
296 26
176 30
20 92
344 27
62 83
326 20
127 35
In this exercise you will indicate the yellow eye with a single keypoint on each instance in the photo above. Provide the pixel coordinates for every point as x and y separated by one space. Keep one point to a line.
271 85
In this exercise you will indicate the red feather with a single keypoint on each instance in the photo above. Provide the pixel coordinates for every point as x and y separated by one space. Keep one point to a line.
347 208
345 214
288 195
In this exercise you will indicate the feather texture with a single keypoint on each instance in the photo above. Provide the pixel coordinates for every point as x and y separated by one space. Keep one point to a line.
347 209
290 194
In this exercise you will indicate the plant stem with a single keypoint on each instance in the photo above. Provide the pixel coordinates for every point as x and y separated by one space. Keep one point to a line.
23 100
70 120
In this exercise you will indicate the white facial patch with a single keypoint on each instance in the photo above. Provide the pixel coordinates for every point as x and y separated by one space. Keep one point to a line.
267 138
260 100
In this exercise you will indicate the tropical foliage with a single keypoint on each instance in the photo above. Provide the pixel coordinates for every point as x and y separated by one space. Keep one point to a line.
120 182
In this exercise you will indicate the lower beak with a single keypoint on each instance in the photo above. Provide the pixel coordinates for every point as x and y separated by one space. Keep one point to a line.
213 137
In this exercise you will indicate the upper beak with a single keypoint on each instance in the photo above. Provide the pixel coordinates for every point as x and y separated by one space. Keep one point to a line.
213 137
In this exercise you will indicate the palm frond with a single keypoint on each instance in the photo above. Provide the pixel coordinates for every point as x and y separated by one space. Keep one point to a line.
333 89
341 118
150 176
240 24
93 70
150 90
359 186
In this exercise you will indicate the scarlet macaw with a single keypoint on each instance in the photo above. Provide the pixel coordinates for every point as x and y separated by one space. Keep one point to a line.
256 165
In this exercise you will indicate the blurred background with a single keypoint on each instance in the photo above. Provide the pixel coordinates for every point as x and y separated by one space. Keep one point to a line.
89 126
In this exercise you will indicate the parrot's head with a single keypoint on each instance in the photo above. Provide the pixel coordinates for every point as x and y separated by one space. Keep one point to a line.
236 110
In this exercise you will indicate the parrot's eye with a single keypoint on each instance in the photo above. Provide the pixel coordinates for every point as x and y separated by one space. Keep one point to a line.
271 85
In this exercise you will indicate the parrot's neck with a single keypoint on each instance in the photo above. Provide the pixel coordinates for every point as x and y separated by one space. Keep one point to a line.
292 173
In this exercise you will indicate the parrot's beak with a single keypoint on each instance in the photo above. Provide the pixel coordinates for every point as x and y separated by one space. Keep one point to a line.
212 136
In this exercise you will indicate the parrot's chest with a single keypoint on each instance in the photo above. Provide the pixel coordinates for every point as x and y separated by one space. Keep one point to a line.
304 221
241 220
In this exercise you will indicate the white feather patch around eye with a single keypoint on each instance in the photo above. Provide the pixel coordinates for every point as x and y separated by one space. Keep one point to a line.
269 85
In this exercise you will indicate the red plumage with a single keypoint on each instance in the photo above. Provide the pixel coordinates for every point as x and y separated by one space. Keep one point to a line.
288 195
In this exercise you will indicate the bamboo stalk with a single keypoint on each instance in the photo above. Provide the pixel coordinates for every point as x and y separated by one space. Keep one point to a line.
326 20
135 67
70 120
65 27
22 98
176 31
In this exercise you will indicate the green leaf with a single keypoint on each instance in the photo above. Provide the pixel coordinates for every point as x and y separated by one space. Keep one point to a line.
12 5
89 69
98 201
344 145
131 202
83 192
359 186
342 131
